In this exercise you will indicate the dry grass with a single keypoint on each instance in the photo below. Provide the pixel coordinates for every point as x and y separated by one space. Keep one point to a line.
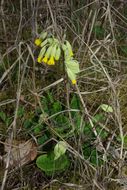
97 31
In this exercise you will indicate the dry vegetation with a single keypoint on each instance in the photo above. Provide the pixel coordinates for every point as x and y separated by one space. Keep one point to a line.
96 149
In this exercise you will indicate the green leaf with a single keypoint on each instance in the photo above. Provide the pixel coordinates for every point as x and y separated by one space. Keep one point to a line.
102 133
125 140
99 31
75 102
28 123
69 48
68 45
88 131
47 163
37 130
92 154
3 116
73 65
42 140
71 75
43 117
77 121
60 149
21 111
45 102
8 121
106 108
62 122
98 117
5 119
124 49
50 97
57 107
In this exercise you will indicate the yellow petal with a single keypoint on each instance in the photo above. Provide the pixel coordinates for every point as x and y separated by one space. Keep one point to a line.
45 59
39 59
38 42
74 81
71 53
51 61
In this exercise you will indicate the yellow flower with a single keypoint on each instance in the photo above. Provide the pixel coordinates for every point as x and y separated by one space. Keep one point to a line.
51 61
38 42
74 81
39 59
45 59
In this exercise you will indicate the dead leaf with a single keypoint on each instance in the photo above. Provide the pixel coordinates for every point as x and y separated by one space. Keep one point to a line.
21 152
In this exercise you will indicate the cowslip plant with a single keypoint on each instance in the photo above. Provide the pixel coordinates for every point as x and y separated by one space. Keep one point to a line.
53 50
54 161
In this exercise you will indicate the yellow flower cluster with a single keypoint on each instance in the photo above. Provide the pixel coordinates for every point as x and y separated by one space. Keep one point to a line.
71 64
50 49
50 61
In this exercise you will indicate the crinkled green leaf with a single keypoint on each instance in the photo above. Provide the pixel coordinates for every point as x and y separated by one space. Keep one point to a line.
67 57
60 149
47 163
69 47
106 108
73 65
71 75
